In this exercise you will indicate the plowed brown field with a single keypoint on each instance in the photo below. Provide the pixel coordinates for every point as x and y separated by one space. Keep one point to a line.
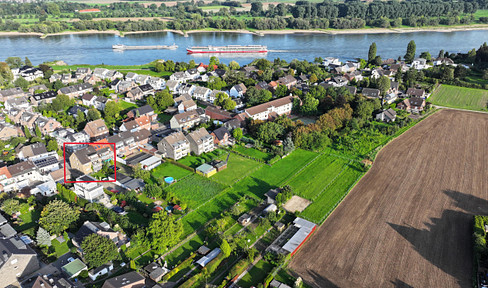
407 223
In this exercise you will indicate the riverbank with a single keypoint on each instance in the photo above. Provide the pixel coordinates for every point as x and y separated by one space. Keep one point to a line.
441 29
114 32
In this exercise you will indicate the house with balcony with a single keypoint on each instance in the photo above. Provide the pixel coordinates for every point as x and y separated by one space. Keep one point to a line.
174 146
91 191
200 141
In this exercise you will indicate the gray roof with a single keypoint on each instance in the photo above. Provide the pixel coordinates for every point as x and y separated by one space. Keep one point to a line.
123 280
143 110
6 231
11 92
21 168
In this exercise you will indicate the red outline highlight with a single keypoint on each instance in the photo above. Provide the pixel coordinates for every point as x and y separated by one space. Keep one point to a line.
64 162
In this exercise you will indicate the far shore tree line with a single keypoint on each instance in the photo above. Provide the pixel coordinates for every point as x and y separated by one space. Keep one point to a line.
53 17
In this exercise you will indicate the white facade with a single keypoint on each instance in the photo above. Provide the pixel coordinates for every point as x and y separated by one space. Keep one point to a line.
90 191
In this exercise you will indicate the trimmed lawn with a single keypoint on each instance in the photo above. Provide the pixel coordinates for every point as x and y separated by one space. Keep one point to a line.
252 153
195 161
285 168
331 196
316 176
127 106
167 169
195 190
184 251
254 185
60 248
460 97
256 275
29 219
237 167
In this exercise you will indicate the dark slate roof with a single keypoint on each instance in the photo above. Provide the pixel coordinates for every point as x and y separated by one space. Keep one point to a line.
21 168
146 87
74 110
143 110
370 92
220 132
45 95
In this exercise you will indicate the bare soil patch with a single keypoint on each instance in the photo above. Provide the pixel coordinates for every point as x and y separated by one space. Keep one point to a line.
296 203
407 223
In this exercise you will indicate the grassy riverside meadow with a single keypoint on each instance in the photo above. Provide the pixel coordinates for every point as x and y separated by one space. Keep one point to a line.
460 97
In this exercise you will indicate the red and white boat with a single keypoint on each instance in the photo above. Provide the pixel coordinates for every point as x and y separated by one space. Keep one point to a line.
228 49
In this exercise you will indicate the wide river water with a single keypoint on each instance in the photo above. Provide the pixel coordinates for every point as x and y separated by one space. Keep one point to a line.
96 48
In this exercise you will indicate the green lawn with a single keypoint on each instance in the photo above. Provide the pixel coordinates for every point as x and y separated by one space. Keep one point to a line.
163 117
252 153
460 97
285 168
317 176
29 219
167 169
480 13
195 190
137 218
126 105
195 161
237 167
254 185
256 275
184 251
60 248
330 197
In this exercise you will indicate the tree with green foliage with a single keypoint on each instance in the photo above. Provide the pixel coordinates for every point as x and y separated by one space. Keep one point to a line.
43 238
216 83
309 105
383 84
10 206
141 173
269 131
57 85
233 65
21 82
111 112
237 133
153 190
372 52
229 104
281 91
52 145
288 145
225 248
57 216
255 96
27 61
27 133
62 103
426 55
98 250
93 114
163 100
164 231
38 132
14 62
410 55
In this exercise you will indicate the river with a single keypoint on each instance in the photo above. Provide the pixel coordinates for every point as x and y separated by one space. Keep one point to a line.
96 48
